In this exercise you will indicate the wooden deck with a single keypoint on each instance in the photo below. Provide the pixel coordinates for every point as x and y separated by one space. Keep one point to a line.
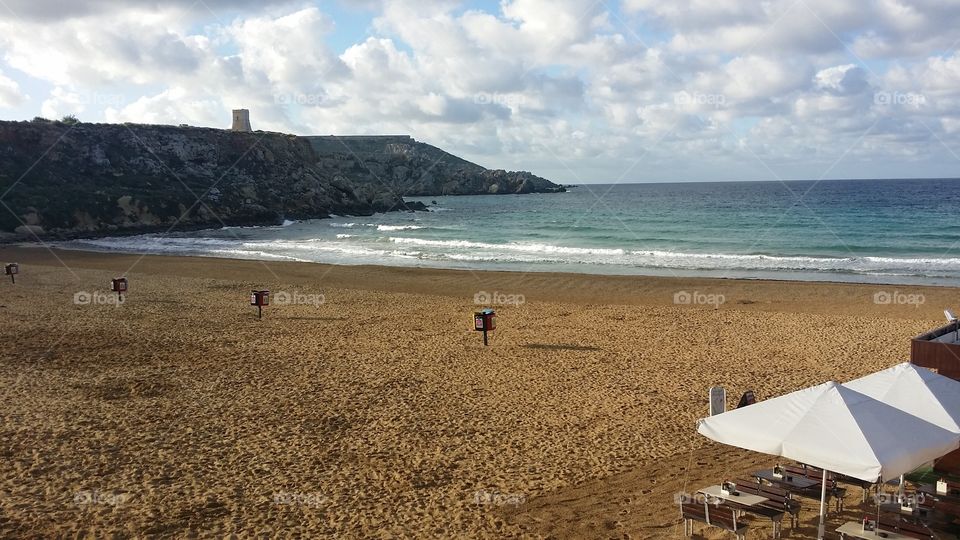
938 351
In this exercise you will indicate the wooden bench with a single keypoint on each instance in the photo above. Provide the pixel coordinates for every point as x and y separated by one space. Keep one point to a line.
722 517
780 498
771 510
803 472
913 530
833 490
815 472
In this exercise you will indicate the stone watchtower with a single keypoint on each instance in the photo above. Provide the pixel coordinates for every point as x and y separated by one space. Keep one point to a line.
241 120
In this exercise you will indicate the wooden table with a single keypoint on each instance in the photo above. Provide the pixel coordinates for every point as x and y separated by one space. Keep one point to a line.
918 512
788 482
743 499
854 529
930 490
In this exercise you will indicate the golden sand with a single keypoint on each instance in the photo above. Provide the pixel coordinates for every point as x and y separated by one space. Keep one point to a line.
380 413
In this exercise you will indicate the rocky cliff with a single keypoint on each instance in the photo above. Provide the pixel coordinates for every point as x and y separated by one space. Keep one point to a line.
59 180
416 169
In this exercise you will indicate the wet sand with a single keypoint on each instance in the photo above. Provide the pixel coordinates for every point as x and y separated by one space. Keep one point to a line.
367 405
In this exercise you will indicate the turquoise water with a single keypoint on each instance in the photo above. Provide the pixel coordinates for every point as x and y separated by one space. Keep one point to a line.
892 231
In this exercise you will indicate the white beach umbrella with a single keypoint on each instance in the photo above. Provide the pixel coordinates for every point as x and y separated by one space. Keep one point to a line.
834 428
915 390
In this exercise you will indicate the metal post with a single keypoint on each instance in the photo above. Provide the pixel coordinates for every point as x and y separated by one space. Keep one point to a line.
484 338
259 311
13 278
823 502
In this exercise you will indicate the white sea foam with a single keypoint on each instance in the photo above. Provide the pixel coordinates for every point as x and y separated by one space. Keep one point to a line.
534 248
398 227
369 248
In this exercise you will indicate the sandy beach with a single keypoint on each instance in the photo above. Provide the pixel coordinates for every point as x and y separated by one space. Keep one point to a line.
368 407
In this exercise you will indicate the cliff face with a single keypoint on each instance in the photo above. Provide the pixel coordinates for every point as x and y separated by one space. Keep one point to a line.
413 168
87 179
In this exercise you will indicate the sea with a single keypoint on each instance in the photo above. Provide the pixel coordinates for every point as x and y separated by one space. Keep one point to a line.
868 231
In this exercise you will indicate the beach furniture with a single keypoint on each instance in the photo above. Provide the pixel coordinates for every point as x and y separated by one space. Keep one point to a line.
804 474
742 499
776 506
952 493
852 529
904 527
716 516
836 429
922 516
790 481
917 391
944 504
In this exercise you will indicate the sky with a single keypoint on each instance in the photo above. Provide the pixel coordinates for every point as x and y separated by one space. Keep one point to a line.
577 91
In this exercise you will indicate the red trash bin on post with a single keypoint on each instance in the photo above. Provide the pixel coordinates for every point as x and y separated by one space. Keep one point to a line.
12 270
259 299
485 321
119 286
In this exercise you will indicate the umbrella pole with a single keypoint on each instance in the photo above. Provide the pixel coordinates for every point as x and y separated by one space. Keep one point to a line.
823 503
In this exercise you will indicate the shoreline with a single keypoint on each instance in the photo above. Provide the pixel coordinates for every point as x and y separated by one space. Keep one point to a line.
614 289
822 268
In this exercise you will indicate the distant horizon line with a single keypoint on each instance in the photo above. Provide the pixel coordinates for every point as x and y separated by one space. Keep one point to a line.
774 181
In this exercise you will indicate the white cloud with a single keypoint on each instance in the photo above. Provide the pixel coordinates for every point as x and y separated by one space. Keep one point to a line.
288 51
174 106
130 46
10 94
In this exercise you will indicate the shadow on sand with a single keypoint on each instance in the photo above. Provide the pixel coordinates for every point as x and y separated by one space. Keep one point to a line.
561 347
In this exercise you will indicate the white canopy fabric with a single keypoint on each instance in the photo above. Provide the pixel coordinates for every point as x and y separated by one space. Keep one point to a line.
834 428
915 390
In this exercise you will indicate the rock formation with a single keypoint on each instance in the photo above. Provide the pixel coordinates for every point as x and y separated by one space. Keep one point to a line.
64 181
